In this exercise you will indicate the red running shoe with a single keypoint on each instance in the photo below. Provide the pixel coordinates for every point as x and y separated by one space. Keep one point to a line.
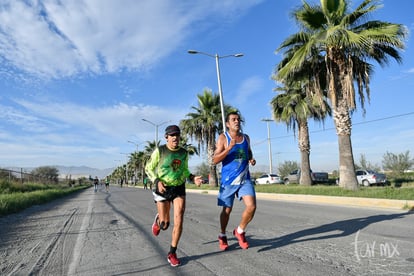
241 238
223 243
155 226
173 260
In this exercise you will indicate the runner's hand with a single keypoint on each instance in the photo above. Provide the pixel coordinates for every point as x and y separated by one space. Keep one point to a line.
161 187
198 180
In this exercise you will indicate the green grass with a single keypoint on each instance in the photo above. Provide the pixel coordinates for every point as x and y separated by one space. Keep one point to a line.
16 197
7 187
369 192
405 192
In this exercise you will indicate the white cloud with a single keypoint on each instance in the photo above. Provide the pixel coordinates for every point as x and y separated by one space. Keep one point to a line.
65 131
410 71
249 87
116 121
55 39
28 43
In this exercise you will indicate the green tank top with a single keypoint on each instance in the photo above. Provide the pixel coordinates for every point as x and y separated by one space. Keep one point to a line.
169 166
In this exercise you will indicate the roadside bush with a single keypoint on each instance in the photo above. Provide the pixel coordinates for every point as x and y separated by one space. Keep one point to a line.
6 187
11 203
17 201
400 180
17 187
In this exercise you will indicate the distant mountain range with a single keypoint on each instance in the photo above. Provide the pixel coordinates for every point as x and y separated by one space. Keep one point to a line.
73 172
80 171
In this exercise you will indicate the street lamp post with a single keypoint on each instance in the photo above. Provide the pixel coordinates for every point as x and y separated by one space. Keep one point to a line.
156 127
136 144
217 58
269 143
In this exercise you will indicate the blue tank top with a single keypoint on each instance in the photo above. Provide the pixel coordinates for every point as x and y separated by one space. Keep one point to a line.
235 166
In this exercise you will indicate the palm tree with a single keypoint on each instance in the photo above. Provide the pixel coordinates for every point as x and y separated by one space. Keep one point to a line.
294 108
150 147
136 160
148 150
347 41
133 163
189 147
204 124
120 172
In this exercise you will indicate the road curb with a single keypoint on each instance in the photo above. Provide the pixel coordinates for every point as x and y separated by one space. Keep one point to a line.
331 200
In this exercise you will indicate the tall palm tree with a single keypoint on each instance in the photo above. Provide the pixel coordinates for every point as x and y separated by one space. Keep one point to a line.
133 163
347 40
189 147
204 124
294 108
136 160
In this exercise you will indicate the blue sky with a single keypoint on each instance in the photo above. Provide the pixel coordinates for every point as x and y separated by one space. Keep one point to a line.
78 77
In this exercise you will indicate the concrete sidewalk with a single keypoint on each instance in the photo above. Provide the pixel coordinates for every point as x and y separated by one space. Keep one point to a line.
332 200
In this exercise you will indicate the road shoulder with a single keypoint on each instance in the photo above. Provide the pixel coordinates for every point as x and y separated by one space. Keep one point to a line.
332 200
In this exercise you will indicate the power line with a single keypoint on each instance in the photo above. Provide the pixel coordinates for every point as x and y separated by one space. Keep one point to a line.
354 124
385 118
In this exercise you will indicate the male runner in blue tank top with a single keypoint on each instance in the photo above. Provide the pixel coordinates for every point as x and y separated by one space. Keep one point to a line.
234 152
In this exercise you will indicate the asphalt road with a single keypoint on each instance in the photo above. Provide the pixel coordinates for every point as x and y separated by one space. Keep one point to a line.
110 234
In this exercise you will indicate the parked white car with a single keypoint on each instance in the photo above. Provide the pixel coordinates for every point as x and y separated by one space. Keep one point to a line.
269 179
370 177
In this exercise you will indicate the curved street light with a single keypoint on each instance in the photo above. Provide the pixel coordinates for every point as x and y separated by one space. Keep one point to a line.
156 127
136 144
217 58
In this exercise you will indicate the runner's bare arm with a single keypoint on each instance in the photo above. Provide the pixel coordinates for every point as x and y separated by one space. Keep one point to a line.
222 149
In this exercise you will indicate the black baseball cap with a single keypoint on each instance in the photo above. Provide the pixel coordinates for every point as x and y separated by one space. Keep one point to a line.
172 129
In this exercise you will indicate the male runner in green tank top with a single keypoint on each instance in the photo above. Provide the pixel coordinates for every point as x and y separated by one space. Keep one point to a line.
168 170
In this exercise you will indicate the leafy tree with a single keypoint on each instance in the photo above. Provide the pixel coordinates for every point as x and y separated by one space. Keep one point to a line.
286 167
366 165
118 173
203 169
347 41
335 174
47 174
397 163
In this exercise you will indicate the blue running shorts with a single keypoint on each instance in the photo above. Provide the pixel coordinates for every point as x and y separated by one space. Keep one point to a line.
227 193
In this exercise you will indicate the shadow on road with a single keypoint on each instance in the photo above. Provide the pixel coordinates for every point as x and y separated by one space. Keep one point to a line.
327 231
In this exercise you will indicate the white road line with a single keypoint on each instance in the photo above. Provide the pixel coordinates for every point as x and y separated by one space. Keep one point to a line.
80 240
